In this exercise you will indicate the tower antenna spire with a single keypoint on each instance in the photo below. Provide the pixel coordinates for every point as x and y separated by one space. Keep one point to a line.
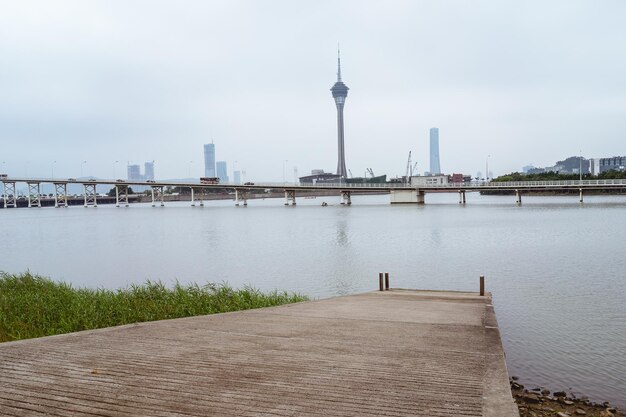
338 64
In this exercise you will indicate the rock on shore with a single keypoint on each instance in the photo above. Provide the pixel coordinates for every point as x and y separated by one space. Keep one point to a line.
540 402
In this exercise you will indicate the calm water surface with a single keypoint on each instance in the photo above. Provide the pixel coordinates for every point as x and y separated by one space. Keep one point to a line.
556 268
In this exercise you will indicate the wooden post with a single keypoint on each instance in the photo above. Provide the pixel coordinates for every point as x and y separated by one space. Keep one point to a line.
386 280
380 281
482 285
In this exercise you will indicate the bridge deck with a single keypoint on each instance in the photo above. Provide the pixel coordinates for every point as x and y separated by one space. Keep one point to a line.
392 353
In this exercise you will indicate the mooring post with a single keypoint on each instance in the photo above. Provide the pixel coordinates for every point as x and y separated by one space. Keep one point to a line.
386 280
380 281
482 285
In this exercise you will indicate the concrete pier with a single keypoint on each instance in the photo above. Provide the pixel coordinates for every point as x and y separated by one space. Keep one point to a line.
387 353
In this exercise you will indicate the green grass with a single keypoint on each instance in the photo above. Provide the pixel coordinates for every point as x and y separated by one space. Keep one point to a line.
34 306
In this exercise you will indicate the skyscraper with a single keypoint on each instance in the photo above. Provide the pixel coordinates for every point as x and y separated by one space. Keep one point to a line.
340 92
134 173
209 160
237 177
148 173
222 172
435 168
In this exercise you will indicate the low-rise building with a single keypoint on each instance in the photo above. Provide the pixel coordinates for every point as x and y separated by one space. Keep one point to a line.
429 180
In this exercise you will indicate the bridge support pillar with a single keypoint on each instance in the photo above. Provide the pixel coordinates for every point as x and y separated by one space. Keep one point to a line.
34 195
121 195
421 197
346 198
10 198
581 194
518 197
241 195
193 202
90 195
290 197
60 194
157 193
415 196
461 196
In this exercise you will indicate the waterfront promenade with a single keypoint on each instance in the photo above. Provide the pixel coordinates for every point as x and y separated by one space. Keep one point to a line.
391 353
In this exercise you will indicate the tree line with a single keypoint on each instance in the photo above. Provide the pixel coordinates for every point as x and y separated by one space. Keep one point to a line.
556 176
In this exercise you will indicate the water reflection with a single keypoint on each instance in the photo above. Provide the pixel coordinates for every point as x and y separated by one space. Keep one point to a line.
342 233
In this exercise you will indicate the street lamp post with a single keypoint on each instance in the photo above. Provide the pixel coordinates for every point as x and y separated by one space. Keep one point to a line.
190 163
487 168
115 169
580 167
81 167
285 171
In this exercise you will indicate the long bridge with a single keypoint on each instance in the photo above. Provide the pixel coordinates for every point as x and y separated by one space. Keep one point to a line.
399 192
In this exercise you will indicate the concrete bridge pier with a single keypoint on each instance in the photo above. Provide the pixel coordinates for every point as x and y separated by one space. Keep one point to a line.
518 197
60 194
290 197
33 195
156 190
90 195
461 196
193 197
415 196
241 194
121 195
346 198
10 197
581 194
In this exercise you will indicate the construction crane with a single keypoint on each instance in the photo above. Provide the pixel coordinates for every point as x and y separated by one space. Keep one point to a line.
371 172
407 176
350 172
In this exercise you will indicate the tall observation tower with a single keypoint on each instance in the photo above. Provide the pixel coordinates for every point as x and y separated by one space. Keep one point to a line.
340 92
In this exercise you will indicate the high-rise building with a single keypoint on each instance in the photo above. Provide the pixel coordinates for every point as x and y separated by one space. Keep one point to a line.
435 168
209 160
148 172
134 173
615 163
340 92
222 172
237 177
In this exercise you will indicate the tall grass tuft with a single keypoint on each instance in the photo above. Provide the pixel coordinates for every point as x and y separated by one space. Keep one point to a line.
34 306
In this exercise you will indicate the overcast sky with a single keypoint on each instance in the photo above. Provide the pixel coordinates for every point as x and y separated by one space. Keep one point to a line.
135 81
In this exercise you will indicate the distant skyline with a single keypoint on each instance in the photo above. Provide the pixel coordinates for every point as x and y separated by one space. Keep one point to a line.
88 87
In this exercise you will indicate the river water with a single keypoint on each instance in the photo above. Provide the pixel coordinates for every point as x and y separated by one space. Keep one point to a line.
556 268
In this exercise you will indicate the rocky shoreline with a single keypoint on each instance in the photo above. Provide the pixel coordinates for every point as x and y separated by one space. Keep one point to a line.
540 402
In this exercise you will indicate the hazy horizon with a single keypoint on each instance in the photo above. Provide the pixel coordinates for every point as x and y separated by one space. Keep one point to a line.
136 81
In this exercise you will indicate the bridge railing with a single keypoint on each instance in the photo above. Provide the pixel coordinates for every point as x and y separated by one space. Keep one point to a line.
513 184
279 185
334 185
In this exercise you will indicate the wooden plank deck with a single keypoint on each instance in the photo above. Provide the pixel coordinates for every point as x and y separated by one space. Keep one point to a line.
392 353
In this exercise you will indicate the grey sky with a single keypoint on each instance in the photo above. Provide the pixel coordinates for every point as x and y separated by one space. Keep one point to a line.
106 81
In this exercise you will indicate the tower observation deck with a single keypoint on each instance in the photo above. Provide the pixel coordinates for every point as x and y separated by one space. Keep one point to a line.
340 92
